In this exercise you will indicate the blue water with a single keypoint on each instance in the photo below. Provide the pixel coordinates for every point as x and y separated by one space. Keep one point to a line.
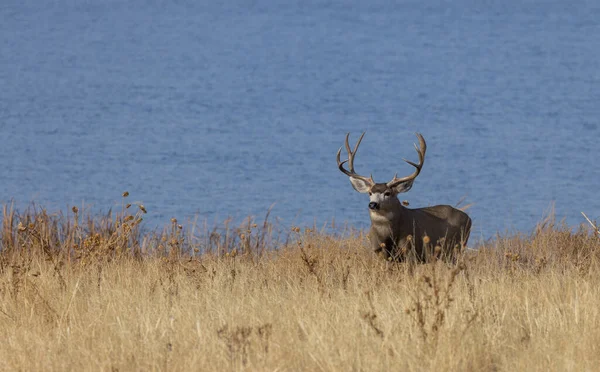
206 110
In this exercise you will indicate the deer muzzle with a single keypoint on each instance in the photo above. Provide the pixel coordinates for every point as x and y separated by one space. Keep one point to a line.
373 205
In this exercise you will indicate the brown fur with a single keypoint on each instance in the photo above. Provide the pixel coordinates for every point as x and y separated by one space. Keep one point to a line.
398 232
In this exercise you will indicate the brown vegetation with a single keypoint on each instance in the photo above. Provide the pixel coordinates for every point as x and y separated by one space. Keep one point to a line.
97 294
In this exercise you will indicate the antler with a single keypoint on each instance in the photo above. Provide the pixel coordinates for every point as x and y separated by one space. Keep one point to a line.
409 179
350 161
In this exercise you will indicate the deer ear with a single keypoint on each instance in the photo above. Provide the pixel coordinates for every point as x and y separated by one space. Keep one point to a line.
403 186
360 185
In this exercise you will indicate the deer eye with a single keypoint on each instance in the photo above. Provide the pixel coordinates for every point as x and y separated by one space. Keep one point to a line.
370 193
387 193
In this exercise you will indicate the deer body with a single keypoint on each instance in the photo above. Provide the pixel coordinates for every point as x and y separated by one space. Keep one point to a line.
399 232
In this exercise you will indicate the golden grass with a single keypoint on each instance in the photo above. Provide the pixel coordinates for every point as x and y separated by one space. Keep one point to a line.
95 294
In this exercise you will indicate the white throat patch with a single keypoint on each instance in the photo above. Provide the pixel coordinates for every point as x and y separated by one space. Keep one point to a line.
377 216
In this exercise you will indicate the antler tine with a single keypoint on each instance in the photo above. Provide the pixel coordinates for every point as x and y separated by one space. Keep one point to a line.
421 151
350 172
340 163
352 153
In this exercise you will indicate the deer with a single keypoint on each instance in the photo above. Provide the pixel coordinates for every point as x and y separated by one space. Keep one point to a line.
399 233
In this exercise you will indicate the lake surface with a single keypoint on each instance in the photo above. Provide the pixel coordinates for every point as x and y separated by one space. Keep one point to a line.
210 110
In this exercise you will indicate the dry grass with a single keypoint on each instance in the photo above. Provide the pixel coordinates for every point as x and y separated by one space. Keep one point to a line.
97 294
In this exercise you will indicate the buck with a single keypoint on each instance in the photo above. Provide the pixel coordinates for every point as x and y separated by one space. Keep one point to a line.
399 232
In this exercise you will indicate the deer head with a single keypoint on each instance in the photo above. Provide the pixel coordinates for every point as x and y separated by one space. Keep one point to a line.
381 195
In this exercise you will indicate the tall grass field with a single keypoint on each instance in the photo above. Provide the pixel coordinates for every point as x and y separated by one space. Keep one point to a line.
82 292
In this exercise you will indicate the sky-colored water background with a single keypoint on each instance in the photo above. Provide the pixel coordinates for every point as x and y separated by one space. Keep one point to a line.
209 110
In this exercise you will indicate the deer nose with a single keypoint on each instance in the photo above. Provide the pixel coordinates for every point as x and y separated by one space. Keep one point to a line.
373 205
